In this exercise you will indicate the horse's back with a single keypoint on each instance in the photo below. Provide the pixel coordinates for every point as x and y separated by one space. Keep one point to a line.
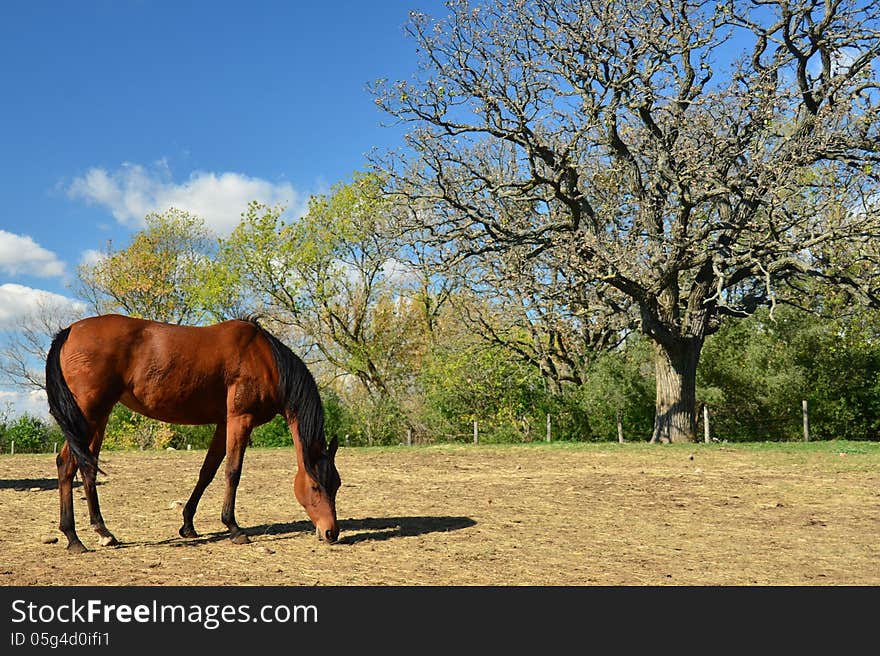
170 372
106 326
131 336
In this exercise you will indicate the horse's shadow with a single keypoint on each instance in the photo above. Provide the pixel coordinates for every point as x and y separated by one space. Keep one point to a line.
27 484
352 530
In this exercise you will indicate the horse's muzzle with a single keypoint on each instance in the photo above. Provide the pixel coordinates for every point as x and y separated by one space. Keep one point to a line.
329 535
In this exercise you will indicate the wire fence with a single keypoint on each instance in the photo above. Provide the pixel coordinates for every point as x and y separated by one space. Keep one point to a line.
479 433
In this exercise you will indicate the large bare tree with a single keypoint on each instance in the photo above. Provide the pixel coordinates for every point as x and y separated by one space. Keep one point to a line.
538 312
695 159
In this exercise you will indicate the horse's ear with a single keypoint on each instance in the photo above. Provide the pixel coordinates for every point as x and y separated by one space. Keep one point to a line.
331 449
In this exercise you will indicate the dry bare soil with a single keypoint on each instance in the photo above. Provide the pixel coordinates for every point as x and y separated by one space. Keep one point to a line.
559 514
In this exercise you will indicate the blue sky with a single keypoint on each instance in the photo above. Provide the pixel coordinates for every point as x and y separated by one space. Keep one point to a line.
110 109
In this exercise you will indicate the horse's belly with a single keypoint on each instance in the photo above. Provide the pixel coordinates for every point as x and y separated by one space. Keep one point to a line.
185 408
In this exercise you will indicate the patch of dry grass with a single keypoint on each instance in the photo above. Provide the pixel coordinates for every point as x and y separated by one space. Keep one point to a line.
555 514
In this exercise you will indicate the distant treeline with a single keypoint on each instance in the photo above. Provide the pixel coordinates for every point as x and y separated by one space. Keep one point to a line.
753 376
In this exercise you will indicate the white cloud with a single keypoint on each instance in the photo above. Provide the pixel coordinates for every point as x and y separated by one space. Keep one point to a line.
21 254
18 303
33 402
133 191
398 272
91 257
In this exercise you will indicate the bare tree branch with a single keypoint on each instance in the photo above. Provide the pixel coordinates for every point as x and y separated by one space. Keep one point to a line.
695 158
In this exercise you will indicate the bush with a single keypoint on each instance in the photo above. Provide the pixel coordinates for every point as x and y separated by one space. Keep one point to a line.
372 421
198 436
751 382
337 416
274 433
29 433
755 372
127 429
842 374
621 384
460 385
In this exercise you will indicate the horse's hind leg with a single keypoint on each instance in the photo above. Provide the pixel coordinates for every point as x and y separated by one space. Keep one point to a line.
89 485
67 467
216 451
238 431
66 463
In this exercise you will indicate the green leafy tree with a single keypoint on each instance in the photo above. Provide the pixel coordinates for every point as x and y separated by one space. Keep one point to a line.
752 381
168 272
465 378
336 279
842 372
619 386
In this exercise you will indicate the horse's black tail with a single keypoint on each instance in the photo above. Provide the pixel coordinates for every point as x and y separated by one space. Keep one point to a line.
64 409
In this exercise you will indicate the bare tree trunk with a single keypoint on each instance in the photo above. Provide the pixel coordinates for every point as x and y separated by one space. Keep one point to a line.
675 418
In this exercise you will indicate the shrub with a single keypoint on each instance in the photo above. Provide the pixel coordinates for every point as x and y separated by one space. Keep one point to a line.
274 433
29 433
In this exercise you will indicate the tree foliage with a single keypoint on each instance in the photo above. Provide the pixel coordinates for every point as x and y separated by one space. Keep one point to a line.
337 279
756 373
167 273
621 144
465 379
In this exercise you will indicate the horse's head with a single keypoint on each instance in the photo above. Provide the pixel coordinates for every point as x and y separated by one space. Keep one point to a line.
315 487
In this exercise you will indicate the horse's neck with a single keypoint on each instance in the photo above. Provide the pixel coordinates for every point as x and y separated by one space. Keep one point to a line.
293 425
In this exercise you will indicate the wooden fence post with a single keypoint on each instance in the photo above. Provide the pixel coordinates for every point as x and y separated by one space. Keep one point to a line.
806 420
619 426
476 434
409 436
54 448
548 426
12 448
706 424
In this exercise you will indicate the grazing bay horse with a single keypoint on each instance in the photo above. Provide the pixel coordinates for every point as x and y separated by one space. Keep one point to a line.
233 374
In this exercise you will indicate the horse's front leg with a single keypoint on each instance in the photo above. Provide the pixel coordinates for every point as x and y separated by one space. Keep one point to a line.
216 451
238 431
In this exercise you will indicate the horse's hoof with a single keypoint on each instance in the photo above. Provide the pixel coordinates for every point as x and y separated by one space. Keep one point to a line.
188 532
241 538
76 547
108 541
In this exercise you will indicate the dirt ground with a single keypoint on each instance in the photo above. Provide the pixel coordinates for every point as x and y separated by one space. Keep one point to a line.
568 515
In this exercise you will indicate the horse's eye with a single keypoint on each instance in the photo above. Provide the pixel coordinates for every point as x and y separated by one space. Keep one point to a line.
315 488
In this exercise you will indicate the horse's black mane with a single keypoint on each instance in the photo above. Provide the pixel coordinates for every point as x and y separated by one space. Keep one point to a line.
298 389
